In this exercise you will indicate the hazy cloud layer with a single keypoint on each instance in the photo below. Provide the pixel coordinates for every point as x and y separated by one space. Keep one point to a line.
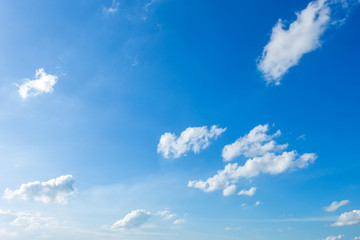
43 83
348 218
192 139
265 162
335 205
133 219
55 190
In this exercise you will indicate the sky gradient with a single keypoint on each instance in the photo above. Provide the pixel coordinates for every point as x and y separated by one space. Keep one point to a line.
167 119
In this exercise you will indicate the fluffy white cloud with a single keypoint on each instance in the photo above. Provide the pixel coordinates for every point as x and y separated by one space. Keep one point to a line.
334 237
179 221
287 46
264 162
256 143
335 205
43 83
132 220
55 190
348 218
249 192
192 139
229 190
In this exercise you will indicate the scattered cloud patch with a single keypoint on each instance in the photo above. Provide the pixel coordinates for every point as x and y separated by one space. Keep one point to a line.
334 237
335 205
265 162
28 221
43 83
133 219
192 139
229 190
114 7
53 191
256 143
287 45
356 238
166 214
348 218
249 192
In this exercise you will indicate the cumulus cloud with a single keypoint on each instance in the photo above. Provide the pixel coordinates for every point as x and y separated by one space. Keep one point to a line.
348 218
334 237
43 83
335 205
288 44
192 139
53 191
264 162
249 192
133 219
256 143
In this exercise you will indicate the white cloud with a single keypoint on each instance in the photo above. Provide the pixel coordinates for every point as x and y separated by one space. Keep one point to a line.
335 205
264 162
287 46
249 192
27 220
192 139
334 237
179 221
132 220
55 190
114 7
43 83
348 218
256 143
166 214
356 238
229 190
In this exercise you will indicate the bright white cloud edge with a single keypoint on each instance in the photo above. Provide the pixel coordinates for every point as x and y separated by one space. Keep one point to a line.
133 219
192 139
347 219
53 191
265 162
43 83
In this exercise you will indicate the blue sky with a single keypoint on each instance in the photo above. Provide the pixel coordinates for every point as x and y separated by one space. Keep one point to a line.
118 119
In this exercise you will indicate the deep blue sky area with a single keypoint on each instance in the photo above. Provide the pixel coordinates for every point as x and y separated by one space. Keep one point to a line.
104 103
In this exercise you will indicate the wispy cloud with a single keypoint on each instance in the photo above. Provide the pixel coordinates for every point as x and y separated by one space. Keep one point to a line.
266 161
249 192
335 205
43 83
53 191
287 45
113 8
192 139
334 237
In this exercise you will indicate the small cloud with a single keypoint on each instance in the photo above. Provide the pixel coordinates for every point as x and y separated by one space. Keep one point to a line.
166 214
179 221
257 203
133 219
53 191
229 190
192 139
43 83
334 237
347 219
233 228
114 7
301 137
249 192
335 205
